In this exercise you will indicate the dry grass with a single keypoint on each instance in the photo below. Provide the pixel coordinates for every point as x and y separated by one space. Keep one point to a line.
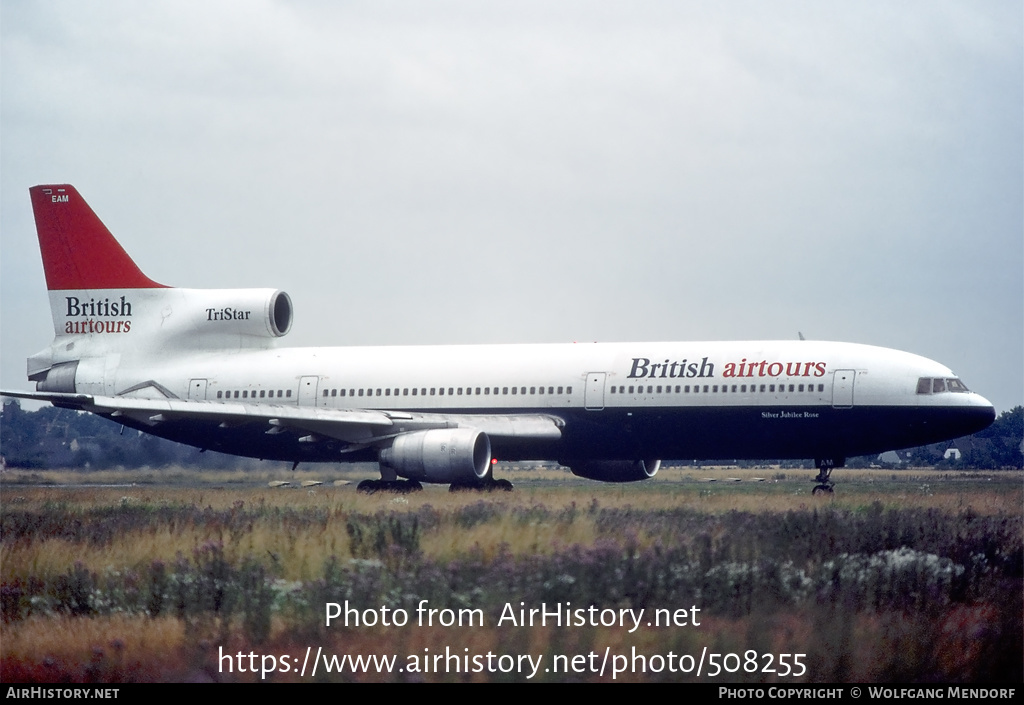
300 556
295 531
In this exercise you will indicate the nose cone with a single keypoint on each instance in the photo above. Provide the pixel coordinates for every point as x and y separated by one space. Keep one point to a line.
979 415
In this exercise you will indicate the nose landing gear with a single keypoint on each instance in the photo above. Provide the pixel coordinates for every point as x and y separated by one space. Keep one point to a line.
825 467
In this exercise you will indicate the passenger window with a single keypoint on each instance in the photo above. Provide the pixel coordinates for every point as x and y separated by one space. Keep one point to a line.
387 392
551 390
801 388
515 390
460 391
743 388
478 391
220 395
360 392
288 393
560 390
504 390
568 390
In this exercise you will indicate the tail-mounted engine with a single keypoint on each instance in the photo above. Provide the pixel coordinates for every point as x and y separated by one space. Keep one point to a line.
250 313
204 319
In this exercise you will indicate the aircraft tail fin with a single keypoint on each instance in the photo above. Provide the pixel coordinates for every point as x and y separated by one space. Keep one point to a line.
79 253
105 310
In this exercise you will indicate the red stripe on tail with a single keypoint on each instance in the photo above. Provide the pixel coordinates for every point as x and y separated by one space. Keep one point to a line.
78 250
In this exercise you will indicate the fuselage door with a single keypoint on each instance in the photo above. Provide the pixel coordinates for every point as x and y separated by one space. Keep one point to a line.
594 400
197 390
842 388
307 390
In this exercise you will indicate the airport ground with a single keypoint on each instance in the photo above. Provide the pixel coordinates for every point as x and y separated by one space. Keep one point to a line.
909 575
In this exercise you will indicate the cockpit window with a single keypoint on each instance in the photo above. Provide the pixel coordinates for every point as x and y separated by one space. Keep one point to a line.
955 385
928 385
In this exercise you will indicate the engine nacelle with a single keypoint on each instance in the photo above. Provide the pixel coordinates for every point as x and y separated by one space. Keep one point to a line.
440 455
616 470
255 313
215 319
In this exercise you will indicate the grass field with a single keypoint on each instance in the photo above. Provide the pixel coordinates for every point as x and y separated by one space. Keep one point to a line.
142 576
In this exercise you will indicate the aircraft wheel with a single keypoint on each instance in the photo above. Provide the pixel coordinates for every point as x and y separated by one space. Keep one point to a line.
409 486
488 486
396 486
823 489
368 486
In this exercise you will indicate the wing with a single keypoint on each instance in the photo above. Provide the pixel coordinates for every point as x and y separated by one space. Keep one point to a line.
358 428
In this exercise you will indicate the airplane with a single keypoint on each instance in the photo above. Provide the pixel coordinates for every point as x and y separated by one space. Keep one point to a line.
203 367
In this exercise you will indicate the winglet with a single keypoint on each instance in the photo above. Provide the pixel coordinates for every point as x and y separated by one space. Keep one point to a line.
78 251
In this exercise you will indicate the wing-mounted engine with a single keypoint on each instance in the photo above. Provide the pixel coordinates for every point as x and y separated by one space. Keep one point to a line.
616 470
440 455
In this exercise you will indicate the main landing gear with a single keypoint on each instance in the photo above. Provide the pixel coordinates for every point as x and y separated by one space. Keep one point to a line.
825 468
407 486
395 486
488 485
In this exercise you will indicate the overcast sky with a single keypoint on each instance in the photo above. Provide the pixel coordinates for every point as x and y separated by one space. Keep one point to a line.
469 172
